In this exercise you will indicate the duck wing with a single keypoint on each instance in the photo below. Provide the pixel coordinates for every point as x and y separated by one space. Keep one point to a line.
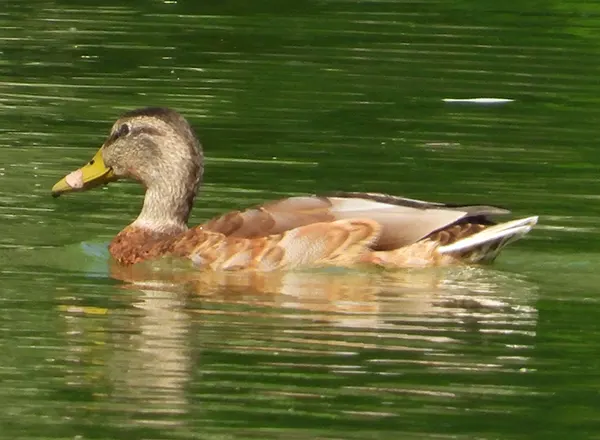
401 221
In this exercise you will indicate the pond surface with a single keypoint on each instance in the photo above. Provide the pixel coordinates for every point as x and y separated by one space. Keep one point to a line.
307 97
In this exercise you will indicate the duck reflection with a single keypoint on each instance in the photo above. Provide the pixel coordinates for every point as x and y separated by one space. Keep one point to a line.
427 319
136 358
354 298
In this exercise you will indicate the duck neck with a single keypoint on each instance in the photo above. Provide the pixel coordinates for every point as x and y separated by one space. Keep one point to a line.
166 208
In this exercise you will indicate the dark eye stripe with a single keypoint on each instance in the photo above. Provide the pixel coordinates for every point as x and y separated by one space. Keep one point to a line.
125 130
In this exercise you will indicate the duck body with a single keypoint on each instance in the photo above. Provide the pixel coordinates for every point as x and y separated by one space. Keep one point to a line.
157 147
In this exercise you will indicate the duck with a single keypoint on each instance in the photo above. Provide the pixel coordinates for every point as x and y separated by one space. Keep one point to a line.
157 147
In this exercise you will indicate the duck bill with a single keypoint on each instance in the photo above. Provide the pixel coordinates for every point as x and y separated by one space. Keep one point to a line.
91 175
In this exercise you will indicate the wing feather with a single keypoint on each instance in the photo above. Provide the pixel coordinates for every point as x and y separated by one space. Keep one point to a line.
402 221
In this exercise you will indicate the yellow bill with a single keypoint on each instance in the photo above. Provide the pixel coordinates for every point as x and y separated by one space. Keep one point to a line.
91 175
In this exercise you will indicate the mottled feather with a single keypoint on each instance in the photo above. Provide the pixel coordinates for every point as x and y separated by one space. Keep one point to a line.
316 231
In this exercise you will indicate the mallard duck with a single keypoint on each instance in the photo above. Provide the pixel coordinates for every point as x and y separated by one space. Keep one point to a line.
158 148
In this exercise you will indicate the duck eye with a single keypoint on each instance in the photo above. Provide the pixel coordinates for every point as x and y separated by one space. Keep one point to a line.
122 131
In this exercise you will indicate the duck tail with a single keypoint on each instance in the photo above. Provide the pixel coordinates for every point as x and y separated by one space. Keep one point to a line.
484 246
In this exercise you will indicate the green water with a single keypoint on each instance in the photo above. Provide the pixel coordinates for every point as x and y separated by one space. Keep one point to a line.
304 97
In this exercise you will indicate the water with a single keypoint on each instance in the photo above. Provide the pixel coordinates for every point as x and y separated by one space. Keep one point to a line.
290 99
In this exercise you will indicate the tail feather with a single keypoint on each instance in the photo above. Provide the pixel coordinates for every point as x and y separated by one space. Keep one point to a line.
485 246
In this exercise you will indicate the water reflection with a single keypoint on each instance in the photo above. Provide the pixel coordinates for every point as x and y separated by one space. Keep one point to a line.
158 362
353 298
241 331
146 362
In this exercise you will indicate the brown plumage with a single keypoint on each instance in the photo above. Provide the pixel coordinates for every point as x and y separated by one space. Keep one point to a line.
157 147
